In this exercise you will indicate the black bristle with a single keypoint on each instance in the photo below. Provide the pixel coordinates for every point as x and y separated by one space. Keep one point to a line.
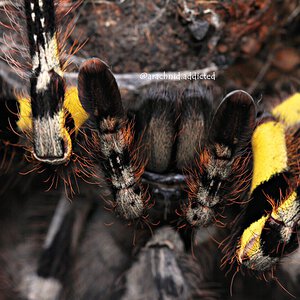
98 90
234 121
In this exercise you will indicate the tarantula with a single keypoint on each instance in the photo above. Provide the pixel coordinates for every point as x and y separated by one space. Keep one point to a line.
177 162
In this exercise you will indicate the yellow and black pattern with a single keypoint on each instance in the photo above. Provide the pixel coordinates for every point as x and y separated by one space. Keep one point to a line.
176 162
50 101
267 230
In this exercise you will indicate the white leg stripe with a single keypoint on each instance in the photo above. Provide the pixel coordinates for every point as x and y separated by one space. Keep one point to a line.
38 288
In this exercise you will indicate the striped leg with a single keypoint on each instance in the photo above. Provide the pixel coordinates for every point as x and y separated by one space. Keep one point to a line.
268 228
229 135
59 247
51 140
100 96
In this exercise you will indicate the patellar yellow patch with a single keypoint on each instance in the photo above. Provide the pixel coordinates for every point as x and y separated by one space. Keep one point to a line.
269 152
250 239
289 110
73 105
25 122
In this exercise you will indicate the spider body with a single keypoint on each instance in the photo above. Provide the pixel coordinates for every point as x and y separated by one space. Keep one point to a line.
159 125
163 124
178 159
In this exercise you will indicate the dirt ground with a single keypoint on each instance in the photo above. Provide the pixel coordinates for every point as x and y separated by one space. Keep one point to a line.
254 45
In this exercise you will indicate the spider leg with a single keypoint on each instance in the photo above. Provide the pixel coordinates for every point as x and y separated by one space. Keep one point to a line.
267 228
58 250
229 135
100 97
51 140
